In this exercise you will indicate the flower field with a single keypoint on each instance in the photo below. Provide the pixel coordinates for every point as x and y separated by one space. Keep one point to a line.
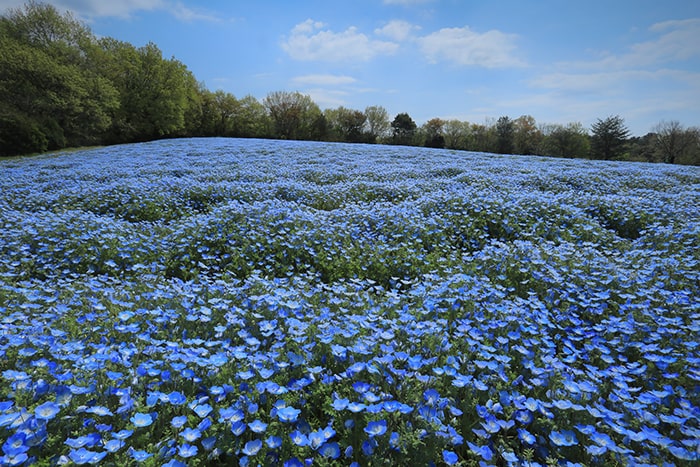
222 302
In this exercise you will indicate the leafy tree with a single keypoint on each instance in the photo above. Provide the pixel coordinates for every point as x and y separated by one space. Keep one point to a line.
252 120
527 136
295 115
346 124
376 123
433 130
569 141
505 134
456 134
404 129
673 141
483 137
50 87
608 138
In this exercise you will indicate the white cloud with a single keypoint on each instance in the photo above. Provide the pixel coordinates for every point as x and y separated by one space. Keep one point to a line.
328 98
462 46
397 30
308 41
324 80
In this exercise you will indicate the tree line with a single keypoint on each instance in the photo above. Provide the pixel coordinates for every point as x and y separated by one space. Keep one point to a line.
61 86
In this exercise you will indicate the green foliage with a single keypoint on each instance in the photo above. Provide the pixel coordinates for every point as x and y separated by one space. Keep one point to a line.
609 138
403 128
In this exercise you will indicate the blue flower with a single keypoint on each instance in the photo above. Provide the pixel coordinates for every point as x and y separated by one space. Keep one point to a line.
376 428
202 410
525 436
563 438
251 448
138 455
176 398
288 414
237 428
83 456
187 450
191 434
330 450
179 421
113 445
141 420
15 444
449 457
299 438
484 451
47 410
257 426
273 442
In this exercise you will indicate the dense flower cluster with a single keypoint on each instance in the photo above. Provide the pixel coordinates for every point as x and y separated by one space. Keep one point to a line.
260 302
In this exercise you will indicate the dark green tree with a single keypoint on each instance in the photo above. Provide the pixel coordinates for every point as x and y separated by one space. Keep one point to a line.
433 130
404 129
505 135
608 138
51 91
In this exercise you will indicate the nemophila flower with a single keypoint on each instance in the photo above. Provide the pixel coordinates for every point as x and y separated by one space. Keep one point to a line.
15 443
299 438
563 438
316 439
99 411
238 428
251 448
191 434
83 456
174 463
113 445
330 450
122 434
376 428
202 410
449 457
257 426
139 455
484 451
176 398
141 420
525 436
14 459
187 450
273 442
179 421
47 410
340 404
293 462
288 414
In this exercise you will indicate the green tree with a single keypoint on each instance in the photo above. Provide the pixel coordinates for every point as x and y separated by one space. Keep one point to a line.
457 134
527 136
505 135
571 140
377 123
404 129
346 124
295 116
433 131
50 86
608 138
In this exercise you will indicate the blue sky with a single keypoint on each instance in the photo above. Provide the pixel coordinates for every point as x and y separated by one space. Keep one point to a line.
558 60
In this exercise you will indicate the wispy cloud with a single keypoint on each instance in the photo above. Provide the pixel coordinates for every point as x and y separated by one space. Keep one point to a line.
397 30
324 80
406 2
463 46
309 42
